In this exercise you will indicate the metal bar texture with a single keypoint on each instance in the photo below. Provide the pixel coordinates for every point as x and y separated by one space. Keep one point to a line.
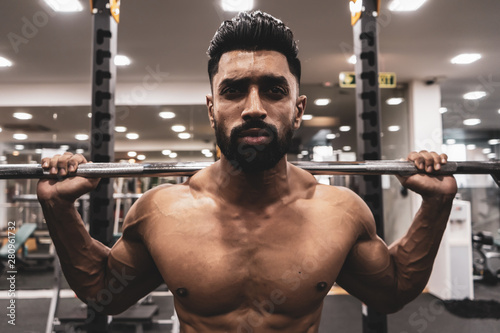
109 170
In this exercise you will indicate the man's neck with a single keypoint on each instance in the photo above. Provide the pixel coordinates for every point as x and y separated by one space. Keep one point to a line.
252 189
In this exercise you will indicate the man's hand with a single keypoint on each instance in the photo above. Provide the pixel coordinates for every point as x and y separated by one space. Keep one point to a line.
428 185
64 189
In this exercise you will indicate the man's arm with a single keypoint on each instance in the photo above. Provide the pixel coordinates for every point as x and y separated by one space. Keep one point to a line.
109 280
387 278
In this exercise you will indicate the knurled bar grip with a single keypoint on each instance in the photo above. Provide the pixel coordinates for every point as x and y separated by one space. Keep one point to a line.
106 170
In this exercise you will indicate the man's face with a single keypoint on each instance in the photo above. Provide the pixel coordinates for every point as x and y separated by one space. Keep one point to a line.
255 108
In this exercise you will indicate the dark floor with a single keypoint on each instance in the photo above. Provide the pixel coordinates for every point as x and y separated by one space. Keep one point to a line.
341 313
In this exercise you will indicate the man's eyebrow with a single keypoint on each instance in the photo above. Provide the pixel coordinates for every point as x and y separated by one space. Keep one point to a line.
233 81
273 79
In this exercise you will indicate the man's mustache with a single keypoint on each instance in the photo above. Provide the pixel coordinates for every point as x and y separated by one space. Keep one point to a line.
270 130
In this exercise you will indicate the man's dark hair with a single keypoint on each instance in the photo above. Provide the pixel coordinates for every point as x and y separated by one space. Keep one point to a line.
253 31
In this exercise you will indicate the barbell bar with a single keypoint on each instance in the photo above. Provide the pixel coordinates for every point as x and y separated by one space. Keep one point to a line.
383 167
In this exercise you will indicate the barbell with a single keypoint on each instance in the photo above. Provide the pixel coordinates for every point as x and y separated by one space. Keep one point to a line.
383 167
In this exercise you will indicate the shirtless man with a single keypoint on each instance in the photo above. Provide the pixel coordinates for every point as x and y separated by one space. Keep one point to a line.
251 243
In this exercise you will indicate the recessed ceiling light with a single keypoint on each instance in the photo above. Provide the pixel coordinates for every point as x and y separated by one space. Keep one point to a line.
120 129
346 148
15 153
322 101
492 156
22 115
237 5
205 151
80 151
475 95
20 136
4 62
19 147
81 137
132 154
178 128
305 152
395 101
405 5
330 136
63 147
451 141
466 58
443 110
184 136
344 128
471 147
65 5
307 117
141 157
166 152
498 111
1 129
172 155
121 60
39 151
494 142
89 115
472 122
352 59
393 128
132 136
209 154
486 150
167 115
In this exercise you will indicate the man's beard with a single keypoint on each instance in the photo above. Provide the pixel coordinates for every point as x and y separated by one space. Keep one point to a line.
253 158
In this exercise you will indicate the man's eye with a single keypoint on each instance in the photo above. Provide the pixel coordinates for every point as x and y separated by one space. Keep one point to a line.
277 90
230 90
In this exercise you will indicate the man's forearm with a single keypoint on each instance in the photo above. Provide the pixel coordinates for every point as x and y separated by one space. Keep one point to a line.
414 254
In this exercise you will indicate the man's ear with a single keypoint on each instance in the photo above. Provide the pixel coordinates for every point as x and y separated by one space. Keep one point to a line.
210 107
300 107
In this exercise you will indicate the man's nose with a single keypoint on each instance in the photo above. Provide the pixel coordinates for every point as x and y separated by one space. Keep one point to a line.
253 106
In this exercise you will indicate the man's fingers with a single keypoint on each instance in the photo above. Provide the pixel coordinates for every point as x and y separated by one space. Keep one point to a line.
63 164
427 161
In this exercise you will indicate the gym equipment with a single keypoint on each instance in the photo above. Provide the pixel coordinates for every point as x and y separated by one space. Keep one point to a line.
383 167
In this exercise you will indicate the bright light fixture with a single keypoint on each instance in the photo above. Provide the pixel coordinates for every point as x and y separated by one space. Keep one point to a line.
237 5
63 147
205 151
466 58
4 62
395 101
486 150
443 110
120 129
405 5
451 141
473 95
132 154
393 128
471 147
352 59
20 136
132 136
330 136
121 60
307 117
81 137
19 147
472 122
492 156
89 115
184 136
79 151
1 129
498 111
167 115
166 152
141 157
15 153
39 151
172 155
494 142
322 101
346 148
178 128
210 154
22 115
344 128
65 5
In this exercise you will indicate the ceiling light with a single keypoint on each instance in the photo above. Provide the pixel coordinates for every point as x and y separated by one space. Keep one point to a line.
395 101
451 141
79 151
352 59
443 110
132 136
466 58
141 157
205 151
172 155
166 152
1 129
22 115
4 62
307 117
344 128
475 95
486 151
132 154
39 151
498 111
237 5
494 142
405 5
322 101
81 137
120 129
346 148
304 152
89 115
210 154
121 60
18 147
472 122
330 136
184 136
471 147
167 115
393 128
178 128
65 5
63 147
492 156
15 153
20 136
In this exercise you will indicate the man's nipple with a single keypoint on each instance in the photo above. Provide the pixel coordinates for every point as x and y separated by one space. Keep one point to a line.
181 292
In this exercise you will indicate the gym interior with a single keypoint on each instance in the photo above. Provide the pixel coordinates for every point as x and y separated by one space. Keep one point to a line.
439 90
